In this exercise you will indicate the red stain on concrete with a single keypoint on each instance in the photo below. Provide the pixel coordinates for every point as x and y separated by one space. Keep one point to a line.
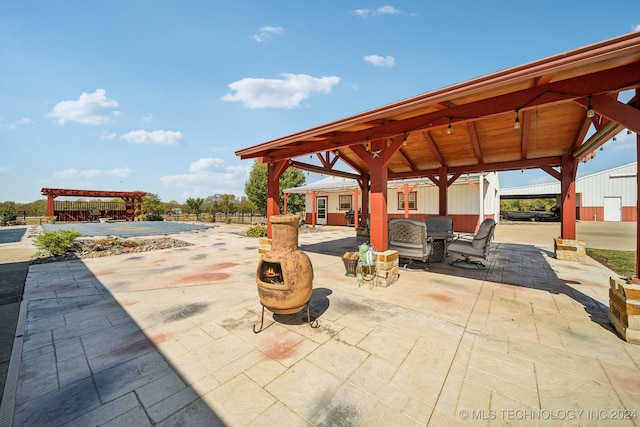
281 350
127 303
440 297
205 277
158 338
224 265
105 273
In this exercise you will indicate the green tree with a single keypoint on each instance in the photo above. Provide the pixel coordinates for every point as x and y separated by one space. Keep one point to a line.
7 212
289 179
151 204
244 204
211 203
35 208
195 204
227 203
256 187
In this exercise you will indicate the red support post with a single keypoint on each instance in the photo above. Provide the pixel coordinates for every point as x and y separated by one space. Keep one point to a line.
50 198
568 196
365 197
635 279
443 187
274 172
355 193
378 227
314 208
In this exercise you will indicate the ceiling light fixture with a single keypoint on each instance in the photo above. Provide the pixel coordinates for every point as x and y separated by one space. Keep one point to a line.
516 123
590 112
449 127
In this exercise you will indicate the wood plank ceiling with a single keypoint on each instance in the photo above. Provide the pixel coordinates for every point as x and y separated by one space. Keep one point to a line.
470 127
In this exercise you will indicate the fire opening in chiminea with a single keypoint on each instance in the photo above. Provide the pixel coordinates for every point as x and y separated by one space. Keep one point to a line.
271 272
285 274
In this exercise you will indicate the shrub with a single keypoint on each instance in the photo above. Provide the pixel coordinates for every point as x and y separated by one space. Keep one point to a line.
257 231
56 242
154 217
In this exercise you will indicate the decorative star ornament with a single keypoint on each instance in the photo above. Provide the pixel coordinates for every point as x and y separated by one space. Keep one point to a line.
375 153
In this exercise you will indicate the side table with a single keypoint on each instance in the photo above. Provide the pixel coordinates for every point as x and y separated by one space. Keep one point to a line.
439 243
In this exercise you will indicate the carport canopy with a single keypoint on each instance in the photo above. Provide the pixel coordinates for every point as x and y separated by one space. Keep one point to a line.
536 115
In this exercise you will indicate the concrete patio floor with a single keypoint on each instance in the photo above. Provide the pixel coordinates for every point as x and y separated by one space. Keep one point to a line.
165 338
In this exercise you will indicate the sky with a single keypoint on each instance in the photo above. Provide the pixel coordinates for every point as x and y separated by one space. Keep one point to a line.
157 95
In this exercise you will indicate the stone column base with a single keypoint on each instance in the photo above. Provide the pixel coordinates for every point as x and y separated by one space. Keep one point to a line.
264 245
624 302
569 250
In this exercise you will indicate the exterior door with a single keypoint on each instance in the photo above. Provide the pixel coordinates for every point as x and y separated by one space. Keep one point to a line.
613 209
321 211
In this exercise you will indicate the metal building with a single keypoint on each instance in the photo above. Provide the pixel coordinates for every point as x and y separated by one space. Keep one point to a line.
610 195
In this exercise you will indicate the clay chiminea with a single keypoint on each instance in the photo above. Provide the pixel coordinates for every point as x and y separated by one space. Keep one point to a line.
284 274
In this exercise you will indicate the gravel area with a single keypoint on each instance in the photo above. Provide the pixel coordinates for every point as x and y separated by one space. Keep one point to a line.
95 248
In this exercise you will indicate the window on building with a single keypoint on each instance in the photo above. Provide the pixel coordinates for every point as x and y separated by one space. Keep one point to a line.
413 197
345 203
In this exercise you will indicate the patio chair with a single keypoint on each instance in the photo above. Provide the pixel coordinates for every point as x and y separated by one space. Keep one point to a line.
477 247
409 237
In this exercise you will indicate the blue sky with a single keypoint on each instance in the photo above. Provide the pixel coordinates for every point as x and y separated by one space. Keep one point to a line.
157 95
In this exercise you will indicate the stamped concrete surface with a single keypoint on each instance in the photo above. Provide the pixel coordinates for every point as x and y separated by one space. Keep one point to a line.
165 338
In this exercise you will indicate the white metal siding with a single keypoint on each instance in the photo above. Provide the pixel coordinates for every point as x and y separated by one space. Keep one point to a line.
463 198
618 182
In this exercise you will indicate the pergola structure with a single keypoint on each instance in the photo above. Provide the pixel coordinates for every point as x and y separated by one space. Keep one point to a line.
129 197
536 115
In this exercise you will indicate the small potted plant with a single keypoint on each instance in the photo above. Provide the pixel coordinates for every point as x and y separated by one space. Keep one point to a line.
51 219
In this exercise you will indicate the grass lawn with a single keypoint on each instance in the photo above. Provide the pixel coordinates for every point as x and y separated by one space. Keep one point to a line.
621 262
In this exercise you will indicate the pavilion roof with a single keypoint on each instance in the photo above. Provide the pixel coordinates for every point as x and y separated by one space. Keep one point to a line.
470 126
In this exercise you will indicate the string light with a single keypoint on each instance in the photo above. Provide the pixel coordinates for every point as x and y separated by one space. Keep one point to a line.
590 112
516 123
449 127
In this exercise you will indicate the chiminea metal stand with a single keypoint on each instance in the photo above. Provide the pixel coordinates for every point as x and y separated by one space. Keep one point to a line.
314 324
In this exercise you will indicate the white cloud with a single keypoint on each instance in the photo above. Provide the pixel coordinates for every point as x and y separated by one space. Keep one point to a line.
267 32
147 118
380 61
90 109
4 169
158 137
384 10
15 125
209 176
108 136
286 93
75 174
206 164
636 27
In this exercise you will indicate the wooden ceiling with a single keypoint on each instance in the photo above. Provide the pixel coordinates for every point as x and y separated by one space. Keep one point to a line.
469 127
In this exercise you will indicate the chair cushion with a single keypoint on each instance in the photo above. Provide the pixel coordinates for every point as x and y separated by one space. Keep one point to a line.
438 224
480 239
